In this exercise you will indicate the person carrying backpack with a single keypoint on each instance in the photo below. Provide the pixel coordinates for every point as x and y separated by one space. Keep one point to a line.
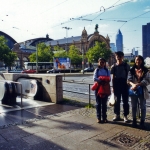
101 73
119 73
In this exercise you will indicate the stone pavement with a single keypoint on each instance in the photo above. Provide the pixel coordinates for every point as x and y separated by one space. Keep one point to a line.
69 127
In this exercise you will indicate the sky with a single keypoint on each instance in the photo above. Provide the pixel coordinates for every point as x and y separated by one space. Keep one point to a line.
29 19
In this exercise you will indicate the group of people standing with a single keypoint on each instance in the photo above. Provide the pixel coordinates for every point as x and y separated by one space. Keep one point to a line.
122 78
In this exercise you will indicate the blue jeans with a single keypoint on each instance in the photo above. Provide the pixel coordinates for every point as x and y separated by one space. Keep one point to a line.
134 101
101 107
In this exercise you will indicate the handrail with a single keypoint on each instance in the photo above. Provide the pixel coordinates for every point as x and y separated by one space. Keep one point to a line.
17 83
89 93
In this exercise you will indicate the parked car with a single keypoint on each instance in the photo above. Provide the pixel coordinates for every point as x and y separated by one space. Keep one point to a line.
88 70
3 70
29 71
54 71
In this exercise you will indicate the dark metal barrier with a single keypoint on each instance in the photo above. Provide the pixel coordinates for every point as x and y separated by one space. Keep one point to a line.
90 94
80 83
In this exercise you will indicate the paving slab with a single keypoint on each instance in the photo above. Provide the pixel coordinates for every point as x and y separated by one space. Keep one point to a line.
65 127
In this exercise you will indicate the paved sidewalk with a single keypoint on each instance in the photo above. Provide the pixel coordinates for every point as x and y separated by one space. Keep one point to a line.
66 127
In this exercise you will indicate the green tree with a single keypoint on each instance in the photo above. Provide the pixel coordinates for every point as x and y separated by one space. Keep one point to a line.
99 50
6 55
74 55
45 54
58 48
60 53
132 60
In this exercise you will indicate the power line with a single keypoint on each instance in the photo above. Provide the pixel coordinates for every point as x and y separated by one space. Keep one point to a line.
51 8
82 17
115 20
111 7
134 18
104 10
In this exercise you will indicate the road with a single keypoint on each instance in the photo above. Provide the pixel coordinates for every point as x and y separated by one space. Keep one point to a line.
79 88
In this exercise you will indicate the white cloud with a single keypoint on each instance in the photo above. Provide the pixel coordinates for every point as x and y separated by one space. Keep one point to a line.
147 9
104 26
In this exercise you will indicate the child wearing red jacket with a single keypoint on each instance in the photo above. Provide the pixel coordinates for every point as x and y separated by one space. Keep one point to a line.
103 89
102 78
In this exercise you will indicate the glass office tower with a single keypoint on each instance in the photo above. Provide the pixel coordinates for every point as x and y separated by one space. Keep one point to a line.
119 41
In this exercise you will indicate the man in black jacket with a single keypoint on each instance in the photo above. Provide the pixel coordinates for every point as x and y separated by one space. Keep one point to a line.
119 73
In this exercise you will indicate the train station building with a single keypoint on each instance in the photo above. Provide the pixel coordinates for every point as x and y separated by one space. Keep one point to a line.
82 42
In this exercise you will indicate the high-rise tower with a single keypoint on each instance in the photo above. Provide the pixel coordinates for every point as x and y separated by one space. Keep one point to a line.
146 40
119 41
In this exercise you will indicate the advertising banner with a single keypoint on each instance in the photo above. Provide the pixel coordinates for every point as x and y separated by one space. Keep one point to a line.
61 63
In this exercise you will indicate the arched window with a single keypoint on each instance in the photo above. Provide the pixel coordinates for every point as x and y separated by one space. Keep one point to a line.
17 62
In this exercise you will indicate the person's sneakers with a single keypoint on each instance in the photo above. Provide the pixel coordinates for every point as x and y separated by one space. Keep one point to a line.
98 121
134 123
142 126
105 121
126 119
116 118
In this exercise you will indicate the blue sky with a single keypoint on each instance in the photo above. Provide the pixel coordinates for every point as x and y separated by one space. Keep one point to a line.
28 19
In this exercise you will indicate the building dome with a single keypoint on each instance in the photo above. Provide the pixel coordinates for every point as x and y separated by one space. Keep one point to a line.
84 34
107 38
84 31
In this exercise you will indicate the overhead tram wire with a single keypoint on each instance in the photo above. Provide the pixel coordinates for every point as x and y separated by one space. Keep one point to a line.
116 2
51 8
19 28
104 10
111 7
73 19
135 18
139 15
79 18
114 20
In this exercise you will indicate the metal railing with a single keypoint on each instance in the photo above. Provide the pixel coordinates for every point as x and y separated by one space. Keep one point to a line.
89 93
81 83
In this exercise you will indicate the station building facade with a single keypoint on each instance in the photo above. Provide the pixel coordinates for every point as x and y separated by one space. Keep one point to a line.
83 43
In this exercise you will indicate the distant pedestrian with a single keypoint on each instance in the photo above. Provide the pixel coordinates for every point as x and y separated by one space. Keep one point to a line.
119 73
138 77
102 77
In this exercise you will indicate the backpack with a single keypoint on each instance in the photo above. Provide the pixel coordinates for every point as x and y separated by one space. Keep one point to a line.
98 70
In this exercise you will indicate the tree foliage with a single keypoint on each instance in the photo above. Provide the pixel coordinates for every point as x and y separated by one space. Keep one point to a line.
58 48
45 54
126 60
74 55
6 55
59 52
100 50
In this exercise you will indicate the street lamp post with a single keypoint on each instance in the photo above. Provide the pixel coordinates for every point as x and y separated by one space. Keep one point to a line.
36 57
67 28
21 61
82 57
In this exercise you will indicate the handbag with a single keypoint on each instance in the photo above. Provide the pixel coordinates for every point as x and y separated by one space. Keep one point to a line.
112 100
137 92
94 86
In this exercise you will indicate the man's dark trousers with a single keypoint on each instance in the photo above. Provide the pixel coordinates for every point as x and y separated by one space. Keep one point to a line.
121 90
